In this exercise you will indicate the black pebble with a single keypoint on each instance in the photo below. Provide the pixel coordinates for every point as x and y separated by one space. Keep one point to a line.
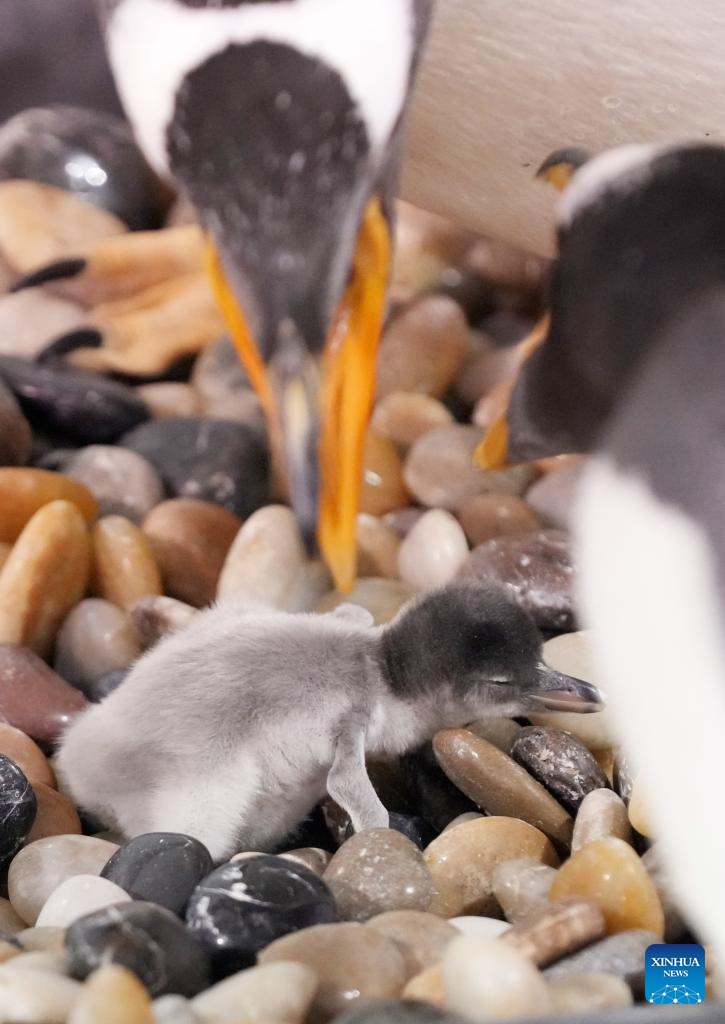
202 457
18 808
244 905
160 867
432 793
148 940
83 407
560 762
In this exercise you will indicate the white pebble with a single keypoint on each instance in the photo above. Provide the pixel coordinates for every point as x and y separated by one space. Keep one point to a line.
78 896
487 927
433 551
275 991
265 559
36 997
484 978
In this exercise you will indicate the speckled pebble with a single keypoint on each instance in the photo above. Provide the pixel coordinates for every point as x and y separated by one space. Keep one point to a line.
112 995
125 569
404 416
586 994
122 482
602 813
556 929
280 992
421 937
433 551
97 637
36 997
264 560
520 885
560 762
485 979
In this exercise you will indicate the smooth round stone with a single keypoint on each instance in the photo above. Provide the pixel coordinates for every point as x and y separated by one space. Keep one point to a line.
190 540
271 992
501 732
43 940
586 994
170 398
404 416
422 938
520 885
638 809
41 960
112 995
377 870
24 491
426 987
36 997
56 814
553 495
222 385
27 755
496 783
212 459
423 348
96 638
620 955
33 698
91 154
174 1010
602 813
16 437
10 922
124 566
402 520
352 961
382 598
31 319
462 862
122 482
40 868
310 857
160 867
44 576
484 979
383 488
433 552
432 793
560 762
155 617
486 927
148 940
18 808
555 929
610 873
440 470
486 516
78 405
264 560
77 896
279 897
377 548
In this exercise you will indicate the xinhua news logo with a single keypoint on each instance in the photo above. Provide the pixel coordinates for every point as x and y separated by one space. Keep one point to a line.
674 973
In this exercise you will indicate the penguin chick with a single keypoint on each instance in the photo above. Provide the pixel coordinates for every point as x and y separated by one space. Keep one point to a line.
232 729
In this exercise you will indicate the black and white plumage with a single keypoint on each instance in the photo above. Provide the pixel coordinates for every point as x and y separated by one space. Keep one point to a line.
232 729
634 370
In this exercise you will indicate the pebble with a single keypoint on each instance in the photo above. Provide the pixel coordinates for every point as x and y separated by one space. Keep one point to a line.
112 995
431 791
42 960
560 762
427 987
44 576
382 488
56 814
84 407
124 566
377 548
462 862
585 994
610 873
496 783
160 867
16 437
501 732
310 857
555 929
145 938
602 813
77 896
279 897
520 885
486 516
620 955
36 997
352 961
33 697
222 385
280 992
10 921
488 927
43 940
404 416
190 540
382 598
18 808
537 571
638 809
97 637
122 482
40 868
154 617
265 559
33 318
553 495
23 492
485 978
433 552
170 398
174 1010
402 520
420 937
423 347
440 470
377 870
212 459
27 755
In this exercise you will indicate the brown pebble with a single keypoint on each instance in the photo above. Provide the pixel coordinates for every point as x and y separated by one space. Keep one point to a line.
610 873
521 884
555 929
27 755
44 577
112 995
486 516
33 697
124 566
56 815
377 548
382 482
404 416
602 813
586 994
462 862
190 540
421 937
496 783
427 987
353 962
24 491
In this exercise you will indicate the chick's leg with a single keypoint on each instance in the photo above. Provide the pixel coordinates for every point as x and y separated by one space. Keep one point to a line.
348 782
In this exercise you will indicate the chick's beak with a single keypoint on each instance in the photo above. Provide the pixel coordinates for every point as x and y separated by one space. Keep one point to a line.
555 691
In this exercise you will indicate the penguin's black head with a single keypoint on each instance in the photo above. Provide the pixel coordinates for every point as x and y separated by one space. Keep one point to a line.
473 646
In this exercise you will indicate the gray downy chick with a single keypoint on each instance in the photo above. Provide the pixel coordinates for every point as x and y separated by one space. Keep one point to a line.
232 729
